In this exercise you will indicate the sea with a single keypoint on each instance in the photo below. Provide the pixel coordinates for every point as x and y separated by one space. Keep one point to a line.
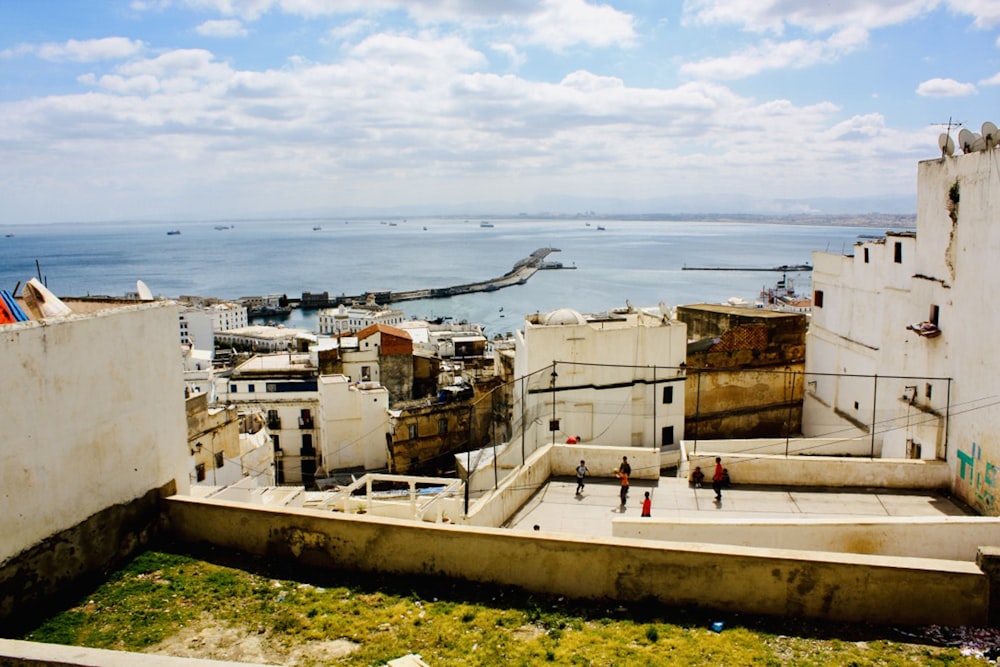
607 262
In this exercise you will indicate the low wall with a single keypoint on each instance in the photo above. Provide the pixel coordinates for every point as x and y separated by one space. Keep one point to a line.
604 461
948 538
842 587
806 446
820 471
496 507
55 571
14 653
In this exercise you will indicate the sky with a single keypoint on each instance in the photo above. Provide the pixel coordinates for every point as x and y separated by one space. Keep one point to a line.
227 109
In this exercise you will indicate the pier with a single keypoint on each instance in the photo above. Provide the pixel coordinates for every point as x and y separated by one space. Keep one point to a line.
518 275
784 268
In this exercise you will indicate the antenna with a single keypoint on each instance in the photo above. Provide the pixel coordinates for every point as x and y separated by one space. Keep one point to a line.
945 142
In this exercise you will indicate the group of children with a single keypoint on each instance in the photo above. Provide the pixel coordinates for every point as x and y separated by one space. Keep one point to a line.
623 473
720 480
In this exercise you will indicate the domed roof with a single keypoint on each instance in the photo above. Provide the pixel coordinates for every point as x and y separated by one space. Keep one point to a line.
564 316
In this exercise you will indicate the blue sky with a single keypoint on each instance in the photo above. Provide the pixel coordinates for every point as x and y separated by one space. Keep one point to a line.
203 109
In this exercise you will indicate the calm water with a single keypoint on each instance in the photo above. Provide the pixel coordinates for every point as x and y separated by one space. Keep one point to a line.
636 260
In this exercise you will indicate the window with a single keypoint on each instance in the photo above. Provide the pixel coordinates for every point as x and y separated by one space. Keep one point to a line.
273 420
898 253
667 436
818 298
232 388
411 431
927 390
250 388
866 255
199 472
307 445
668 395
220 459
366 373
442 426
277 443
933 316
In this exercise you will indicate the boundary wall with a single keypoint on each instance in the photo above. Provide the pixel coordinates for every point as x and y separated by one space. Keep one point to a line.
753 464
838 587
948 538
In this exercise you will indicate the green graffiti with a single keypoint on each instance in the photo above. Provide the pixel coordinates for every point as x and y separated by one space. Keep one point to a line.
966 467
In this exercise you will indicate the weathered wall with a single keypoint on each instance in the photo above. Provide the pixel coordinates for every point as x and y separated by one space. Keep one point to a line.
91 441
745 371
832 471
948 538
735 579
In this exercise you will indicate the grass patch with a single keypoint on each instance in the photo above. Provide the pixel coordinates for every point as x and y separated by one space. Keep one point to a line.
160 594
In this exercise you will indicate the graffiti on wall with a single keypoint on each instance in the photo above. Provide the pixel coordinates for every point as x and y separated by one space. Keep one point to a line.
976 478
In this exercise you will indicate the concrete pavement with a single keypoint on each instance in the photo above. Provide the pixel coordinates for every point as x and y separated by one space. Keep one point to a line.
557 508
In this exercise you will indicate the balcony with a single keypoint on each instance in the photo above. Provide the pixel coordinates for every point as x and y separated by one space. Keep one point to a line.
305 422
274 423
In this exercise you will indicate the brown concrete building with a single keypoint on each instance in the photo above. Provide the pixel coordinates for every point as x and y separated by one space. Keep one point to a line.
745 369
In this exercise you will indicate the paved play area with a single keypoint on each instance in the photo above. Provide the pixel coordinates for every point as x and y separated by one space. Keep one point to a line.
557 508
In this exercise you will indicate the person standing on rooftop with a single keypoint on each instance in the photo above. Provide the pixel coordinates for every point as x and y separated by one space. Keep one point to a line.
717 479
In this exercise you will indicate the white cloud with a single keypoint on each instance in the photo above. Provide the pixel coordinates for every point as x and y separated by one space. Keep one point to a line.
985 12
769 55
945 88
775 15
562 23
88 50
222 28
991 81
515 58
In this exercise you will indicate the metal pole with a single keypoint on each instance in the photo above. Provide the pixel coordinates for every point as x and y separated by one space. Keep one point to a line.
697 413
947 420
874 410
523 425
468 462
654 406
552 424
791 398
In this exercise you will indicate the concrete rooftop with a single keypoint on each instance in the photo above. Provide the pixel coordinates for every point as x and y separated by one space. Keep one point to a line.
557 508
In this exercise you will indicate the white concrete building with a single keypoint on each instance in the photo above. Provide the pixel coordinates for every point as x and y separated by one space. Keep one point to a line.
266 339
226 316
915 310
351 319
617 380
354 418
311 416
197 329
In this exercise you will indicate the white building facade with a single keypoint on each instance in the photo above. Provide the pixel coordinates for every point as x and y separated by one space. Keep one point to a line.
899 348
352 319
611 379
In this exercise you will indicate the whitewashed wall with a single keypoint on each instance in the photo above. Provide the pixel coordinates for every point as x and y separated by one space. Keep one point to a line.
93 416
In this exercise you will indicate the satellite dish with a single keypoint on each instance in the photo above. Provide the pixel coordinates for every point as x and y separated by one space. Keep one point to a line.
946 144
965 139
990 134
143 291
979 144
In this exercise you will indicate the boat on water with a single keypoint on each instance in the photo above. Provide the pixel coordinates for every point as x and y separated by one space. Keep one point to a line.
173 232
485 223
600 228
9 236
317 228
221 227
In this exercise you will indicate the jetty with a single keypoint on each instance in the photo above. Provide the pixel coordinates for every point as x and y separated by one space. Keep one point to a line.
519 275
784 268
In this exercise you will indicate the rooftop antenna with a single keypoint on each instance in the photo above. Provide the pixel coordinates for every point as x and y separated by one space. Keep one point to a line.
945 142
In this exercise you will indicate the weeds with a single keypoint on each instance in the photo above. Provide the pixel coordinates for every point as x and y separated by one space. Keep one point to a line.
157 595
